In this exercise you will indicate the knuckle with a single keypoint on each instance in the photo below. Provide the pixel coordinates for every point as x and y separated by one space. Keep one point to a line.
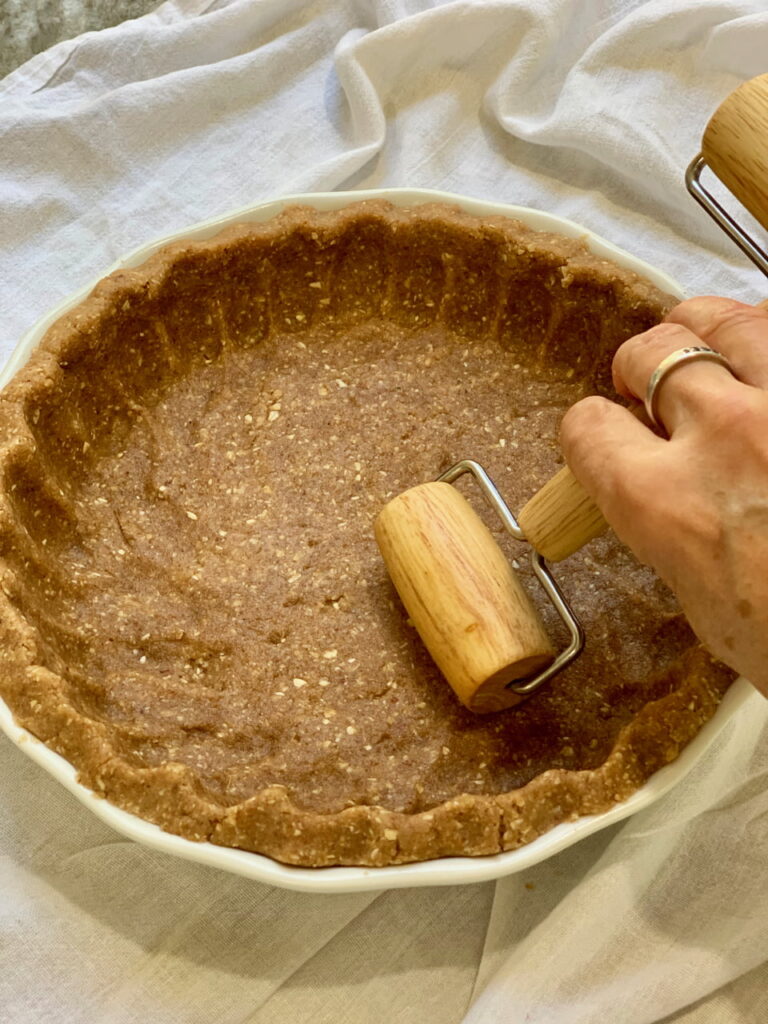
636 359
580 422
651 343
662 334
709 314
691 311
738 318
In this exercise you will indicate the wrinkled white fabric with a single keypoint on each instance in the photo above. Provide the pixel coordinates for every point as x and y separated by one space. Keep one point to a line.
590 109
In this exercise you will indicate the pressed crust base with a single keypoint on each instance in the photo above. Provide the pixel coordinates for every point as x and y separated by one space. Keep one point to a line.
193 611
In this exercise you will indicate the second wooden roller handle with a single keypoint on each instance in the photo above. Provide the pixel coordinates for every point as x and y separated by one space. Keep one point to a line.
462 595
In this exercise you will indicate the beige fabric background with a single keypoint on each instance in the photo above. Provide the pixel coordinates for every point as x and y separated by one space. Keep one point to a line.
588 109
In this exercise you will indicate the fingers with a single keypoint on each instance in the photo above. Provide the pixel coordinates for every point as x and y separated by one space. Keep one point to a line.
687 391
622 464
739 331
602 442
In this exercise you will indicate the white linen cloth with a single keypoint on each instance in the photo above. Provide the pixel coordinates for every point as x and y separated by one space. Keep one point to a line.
589 109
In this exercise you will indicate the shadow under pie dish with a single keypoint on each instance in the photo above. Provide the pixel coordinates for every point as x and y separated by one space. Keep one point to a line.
194 611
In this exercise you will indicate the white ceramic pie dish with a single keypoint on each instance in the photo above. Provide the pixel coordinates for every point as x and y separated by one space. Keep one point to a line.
446 871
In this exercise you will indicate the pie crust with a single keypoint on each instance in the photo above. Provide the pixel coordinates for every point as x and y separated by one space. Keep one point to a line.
193 611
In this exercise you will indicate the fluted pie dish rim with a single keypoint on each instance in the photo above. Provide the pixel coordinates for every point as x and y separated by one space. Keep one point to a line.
446 870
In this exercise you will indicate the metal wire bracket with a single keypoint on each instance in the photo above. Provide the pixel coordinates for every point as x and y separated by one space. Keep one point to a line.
540 567
720 215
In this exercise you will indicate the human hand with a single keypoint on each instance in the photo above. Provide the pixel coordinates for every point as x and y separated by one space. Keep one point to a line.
693 506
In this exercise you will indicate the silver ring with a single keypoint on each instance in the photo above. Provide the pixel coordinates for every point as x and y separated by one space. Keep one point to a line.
669 363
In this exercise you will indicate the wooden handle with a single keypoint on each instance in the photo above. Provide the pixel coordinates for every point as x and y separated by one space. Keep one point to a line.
561 517
735 145
462 595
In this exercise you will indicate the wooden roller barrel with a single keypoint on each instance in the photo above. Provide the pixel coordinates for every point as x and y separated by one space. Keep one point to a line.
462 595
735 145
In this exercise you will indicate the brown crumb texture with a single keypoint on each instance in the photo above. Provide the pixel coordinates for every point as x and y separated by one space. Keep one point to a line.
193 608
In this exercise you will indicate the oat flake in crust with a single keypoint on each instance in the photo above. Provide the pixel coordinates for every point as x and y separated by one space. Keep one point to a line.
193 609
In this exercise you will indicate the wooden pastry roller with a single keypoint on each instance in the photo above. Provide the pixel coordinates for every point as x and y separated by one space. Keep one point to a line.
461 593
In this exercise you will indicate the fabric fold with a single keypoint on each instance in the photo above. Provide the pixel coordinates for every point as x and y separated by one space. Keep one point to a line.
590 111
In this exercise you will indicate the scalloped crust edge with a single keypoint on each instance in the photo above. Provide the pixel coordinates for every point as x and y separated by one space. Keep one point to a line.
270 823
